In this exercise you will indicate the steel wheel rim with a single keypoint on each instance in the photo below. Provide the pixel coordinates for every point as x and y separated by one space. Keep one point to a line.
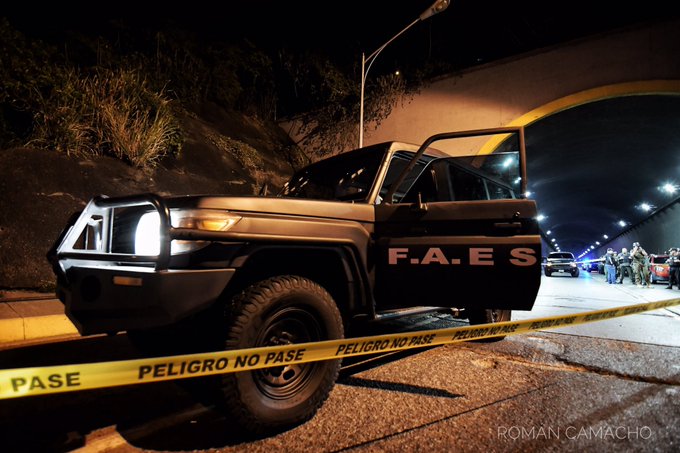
288 326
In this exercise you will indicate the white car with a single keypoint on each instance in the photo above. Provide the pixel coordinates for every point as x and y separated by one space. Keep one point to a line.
561 262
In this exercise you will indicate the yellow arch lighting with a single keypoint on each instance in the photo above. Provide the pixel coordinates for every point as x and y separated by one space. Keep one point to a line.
640 88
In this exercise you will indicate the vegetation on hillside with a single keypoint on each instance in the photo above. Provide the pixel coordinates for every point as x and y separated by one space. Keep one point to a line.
112 112
328 101
185 115
119 93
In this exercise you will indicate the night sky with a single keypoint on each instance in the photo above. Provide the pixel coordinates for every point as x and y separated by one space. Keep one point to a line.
468 33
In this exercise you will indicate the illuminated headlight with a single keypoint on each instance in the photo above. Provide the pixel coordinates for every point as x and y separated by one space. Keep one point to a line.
549 264
660 268
572 264
148 239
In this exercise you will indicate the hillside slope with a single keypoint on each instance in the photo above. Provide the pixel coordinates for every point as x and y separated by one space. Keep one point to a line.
223 153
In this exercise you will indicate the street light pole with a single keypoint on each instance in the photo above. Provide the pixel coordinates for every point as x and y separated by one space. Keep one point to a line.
437 7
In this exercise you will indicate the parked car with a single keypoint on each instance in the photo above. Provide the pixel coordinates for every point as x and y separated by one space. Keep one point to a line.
590 266
561 262
659 271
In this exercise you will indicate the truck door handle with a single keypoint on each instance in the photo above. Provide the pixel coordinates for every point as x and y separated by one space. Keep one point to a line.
507 225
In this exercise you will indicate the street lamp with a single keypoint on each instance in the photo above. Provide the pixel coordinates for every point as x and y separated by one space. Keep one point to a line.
437 7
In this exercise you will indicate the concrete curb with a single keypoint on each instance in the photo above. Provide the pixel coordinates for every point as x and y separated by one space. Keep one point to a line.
32 316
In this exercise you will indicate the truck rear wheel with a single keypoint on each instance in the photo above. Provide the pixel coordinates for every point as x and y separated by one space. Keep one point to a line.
278 311
490 316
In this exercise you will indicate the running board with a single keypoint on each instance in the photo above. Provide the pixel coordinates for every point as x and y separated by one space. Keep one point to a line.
399 313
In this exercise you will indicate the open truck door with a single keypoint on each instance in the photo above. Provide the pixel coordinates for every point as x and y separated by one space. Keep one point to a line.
458 231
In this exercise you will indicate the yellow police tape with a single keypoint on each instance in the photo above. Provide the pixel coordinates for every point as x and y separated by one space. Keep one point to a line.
22 382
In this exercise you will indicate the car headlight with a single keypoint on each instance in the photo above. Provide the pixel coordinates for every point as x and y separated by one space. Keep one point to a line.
572 264
659 268
147 235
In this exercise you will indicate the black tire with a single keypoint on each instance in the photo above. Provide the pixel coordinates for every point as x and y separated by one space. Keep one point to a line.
280 310
481 316
548 273
575 273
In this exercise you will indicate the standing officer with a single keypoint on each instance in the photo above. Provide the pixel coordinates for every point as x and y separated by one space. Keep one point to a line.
624 266
610 266
639 255
674 268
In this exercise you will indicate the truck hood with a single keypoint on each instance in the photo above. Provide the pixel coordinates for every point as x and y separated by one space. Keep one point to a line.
360 212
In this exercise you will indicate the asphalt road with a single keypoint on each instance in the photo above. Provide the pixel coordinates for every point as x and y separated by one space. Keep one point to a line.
562 295
608 386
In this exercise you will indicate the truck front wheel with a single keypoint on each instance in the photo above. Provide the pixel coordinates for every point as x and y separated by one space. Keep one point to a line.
279 311
478 316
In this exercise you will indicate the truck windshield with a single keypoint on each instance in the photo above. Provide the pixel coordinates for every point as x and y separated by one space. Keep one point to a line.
562 255
345 177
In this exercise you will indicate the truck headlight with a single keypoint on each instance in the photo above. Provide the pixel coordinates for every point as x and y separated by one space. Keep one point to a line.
572 264
147 235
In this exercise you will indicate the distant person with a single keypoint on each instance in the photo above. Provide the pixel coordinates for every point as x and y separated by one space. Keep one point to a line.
616 266
639 256
673 262
624 266
647 272
605 268
610 266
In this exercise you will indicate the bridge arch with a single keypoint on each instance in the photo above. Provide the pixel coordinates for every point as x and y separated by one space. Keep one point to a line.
638 88
522 90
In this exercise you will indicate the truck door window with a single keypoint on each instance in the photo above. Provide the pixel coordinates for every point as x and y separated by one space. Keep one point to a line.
498 192
485 177
466 186
399 161
455 179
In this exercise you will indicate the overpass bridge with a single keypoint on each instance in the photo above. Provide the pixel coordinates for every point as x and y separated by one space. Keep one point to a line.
602 118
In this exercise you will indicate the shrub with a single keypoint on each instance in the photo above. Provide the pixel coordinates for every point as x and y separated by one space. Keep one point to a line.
109 112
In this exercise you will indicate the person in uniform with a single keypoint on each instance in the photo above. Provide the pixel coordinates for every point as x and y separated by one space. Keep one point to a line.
624 266
673 262
610 266
639 256
647 272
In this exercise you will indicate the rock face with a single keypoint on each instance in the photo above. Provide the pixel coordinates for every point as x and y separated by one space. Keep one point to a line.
223 153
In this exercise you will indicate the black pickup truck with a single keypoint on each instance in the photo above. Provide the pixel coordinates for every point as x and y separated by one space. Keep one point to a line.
390 228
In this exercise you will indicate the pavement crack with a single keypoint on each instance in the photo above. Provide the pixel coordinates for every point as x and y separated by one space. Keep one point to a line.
564 364
579 367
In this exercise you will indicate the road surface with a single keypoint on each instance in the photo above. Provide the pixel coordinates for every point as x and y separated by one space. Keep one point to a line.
608 386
